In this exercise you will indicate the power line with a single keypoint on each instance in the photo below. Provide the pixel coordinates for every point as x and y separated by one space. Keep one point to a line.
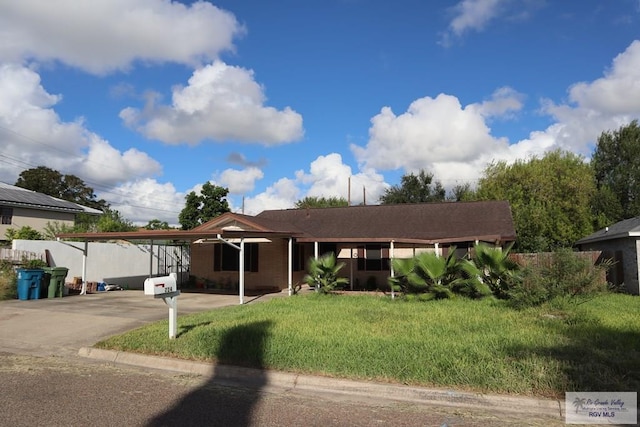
95 185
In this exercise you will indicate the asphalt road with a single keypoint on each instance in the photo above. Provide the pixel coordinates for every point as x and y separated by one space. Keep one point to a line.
73 391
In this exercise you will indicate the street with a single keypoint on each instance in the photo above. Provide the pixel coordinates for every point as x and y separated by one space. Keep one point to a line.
71 391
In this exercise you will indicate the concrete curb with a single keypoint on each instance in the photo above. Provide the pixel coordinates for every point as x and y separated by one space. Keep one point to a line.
283 380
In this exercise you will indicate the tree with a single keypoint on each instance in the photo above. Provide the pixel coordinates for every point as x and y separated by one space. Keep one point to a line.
156 224
462 193
550 198
321 202
617 170
112 220
210 203
23 233
418 188
66 187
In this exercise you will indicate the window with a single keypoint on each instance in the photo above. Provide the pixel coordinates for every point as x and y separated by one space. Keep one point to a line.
299 260
373 258
225 257
325 248
6 215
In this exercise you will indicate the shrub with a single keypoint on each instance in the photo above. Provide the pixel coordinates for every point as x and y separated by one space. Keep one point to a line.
496 269
323 273
437 277
8 281
566 275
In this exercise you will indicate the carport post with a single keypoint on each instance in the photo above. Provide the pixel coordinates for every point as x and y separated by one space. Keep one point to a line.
84 268
241 272
290 255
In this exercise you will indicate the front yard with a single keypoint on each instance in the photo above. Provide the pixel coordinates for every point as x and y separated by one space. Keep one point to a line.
475 345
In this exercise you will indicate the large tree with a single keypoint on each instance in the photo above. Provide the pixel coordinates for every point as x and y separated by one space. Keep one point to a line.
321 202
414 188
616 164
200 208
66 187
550 198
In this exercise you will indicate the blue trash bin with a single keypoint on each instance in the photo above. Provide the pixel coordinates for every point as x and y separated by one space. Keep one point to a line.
29 283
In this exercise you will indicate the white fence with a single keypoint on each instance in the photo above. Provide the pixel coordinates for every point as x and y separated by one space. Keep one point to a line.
122 264
18 257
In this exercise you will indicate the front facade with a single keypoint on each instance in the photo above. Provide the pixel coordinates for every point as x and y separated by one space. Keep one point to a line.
278 244
20 208
619 243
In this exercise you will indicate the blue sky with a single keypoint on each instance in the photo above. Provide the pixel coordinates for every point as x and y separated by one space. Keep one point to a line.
146 100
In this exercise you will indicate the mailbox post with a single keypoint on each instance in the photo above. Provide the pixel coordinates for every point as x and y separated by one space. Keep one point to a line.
165 287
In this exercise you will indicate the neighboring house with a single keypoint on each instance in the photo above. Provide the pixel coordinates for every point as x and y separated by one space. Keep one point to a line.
620 243
278 243
20 207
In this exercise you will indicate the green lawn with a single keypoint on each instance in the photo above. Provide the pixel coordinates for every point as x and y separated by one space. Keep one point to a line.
478 345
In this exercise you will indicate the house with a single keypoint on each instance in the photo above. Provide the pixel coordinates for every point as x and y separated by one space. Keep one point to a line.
20 207
365 238
620 243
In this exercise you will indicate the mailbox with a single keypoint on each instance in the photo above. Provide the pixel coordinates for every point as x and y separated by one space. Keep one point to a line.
160 285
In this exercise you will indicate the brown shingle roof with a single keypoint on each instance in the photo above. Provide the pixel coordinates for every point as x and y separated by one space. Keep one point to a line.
432 222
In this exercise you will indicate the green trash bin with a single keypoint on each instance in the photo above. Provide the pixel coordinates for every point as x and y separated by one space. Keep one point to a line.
57 275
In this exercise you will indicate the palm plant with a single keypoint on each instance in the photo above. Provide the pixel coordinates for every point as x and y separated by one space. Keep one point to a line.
323 273
495 268
437 277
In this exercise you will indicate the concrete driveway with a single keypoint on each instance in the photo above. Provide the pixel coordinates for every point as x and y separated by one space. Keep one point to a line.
61 326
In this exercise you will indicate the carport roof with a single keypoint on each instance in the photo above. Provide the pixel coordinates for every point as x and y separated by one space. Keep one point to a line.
182 236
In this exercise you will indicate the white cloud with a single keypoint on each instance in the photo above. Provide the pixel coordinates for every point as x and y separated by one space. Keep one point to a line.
618 92
474 15
240 181
432 130
456 144
329 177
504 102
471 15
281 195
605 104
34 135
145 199
100 36
221 102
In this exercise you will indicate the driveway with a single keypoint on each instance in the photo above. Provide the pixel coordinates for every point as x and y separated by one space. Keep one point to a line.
61 326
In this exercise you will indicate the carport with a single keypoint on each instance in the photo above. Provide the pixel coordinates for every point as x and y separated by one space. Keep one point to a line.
231 236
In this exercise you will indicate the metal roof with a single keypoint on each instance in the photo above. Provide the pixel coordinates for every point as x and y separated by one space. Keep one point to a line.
13 196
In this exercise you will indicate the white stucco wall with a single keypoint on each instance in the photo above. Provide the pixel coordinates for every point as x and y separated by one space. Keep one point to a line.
121 264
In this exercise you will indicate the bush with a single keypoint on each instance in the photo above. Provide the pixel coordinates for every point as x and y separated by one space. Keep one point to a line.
8 281
566 275
323 274
437 277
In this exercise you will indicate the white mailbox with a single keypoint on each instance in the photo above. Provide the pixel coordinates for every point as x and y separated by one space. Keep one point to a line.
160 285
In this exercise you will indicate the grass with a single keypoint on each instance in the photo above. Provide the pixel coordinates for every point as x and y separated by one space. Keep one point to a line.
475 345
8 288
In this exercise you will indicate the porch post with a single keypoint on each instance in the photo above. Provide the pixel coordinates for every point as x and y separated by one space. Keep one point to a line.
289 273
393 295
315 250
241 270
437 247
